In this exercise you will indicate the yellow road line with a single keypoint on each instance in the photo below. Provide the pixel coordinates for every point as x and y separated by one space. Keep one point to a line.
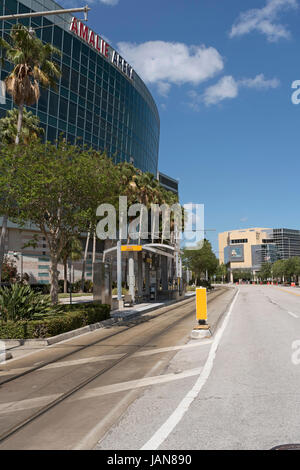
293 293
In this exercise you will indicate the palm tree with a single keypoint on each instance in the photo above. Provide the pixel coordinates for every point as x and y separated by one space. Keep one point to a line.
148 193
30 127
33 66
128 175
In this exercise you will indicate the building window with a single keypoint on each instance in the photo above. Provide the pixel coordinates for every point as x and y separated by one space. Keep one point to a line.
241 240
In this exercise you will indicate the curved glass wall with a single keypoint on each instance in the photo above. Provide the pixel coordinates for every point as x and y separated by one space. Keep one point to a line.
95 102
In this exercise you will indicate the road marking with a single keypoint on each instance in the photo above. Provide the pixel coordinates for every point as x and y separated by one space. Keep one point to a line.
107 357
165 430
99 391
91 439
173 348
134 384
27 404
293 314
293 293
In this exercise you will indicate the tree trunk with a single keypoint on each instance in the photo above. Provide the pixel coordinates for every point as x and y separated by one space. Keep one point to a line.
54 279
84 261
19 125
2 242
65 276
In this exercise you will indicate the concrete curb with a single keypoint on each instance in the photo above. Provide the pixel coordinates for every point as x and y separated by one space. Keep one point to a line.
199 334
117 318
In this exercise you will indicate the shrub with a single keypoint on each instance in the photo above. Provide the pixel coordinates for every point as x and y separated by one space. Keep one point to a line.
115 291
76 317
20 302
88 286
43 288
9 271
61 285
204 283
191 288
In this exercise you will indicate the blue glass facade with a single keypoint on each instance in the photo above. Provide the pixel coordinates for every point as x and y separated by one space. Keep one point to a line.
95 102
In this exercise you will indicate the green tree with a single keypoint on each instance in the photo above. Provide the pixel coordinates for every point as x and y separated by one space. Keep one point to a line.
241 274
30 127
201 260
265 272
221 272
290 268
71 250
58 188
32 66
297 268
279 269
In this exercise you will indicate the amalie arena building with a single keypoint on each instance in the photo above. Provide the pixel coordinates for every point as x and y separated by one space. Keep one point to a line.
100 101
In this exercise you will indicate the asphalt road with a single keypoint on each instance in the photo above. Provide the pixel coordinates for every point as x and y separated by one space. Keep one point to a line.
245 392
124 365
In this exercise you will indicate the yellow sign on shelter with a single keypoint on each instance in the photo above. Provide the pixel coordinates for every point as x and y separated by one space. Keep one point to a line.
131 248
201 304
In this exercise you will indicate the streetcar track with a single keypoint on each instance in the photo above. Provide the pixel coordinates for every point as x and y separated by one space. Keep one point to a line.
94 343
14 429
82 384
101 340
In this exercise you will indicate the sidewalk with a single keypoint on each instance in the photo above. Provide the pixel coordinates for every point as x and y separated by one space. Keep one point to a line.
145 307
77 300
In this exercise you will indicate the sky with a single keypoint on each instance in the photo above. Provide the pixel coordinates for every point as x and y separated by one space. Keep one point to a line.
221 74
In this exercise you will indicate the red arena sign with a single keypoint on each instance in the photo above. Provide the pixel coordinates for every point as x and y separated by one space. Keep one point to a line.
101 46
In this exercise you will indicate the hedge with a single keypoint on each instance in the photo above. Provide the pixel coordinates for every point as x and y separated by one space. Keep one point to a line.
75 316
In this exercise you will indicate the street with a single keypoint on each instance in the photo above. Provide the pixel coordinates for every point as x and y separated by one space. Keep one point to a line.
70 394
149 386
251 397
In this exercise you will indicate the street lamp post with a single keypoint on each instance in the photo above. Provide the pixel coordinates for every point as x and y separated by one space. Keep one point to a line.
47 13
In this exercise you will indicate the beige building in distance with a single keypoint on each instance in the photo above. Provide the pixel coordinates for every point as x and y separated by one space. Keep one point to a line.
247 249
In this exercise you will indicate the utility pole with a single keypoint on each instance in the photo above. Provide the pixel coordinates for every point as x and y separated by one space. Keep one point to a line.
119 272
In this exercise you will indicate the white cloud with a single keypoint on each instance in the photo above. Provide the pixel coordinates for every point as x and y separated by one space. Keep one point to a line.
260 82
110 2
264 20
163 88
166 63
228 88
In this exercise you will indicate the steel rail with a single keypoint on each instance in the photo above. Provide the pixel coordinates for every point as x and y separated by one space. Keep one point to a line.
17 427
